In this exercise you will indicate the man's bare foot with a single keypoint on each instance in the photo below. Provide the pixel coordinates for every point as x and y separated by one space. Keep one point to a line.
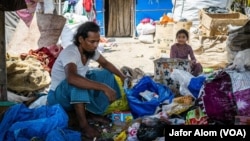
98 118
90 132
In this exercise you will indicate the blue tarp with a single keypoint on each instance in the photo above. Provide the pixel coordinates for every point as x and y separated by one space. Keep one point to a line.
20 123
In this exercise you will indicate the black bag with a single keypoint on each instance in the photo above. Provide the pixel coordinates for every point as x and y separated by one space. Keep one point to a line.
149 131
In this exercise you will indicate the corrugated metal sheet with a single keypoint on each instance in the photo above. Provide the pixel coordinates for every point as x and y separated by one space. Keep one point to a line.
152 9
100 15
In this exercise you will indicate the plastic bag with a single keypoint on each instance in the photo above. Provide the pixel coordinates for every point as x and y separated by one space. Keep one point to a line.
150 129
183 78
241 61
69 30
140 108
196 117
21 123
145 29
120 104
147 39
63 135
195 85
189 85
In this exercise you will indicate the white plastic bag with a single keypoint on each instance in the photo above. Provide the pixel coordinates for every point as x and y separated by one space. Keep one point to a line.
79 8
148 39
69 29
189 9
183 77
49 6
145 29
241 61
39 102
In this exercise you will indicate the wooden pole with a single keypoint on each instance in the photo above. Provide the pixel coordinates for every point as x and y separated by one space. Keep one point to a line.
3 70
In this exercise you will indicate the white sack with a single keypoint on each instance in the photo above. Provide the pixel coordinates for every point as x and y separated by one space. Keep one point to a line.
148 39
144 29
189 9
69 30
241 61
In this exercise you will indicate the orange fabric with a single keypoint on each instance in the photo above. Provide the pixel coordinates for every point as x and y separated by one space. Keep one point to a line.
165 19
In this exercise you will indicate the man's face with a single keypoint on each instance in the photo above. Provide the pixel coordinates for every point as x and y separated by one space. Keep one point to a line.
90 44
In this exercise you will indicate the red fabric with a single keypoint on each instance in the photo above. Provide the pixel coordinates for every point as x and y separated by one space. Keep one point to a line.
87 4
46 55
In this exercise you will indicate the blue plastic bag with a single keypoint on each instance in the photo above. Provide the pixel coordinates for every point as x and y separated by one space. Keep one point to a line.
21 123
63 135
140 108
195 85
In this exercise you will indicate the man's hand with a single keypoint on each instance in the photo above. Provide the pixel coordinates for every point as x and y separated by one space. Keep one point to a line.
110 93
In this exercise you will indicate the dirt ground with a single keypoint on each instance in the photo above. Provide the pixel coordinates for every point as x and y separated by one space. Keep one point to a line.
132 53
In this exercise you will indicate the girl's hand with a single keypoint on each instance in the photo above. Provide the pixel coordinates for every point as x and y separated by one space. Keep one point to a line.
193 62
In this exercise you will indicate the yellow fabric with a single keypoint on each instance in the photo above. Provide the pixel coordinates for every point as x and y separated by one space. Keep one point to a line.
26 75
120 104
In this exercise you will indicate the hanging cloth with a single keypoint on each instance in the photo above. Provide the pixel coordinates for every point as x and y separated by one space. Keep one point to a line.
71 6
87 4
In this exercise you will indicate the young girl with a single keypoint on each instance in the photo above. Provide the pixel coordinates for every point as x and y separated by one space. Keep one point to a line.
183 51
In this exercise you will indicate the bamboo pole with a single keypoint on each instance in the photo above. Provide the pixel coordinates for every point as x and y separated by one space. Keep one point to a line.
3 71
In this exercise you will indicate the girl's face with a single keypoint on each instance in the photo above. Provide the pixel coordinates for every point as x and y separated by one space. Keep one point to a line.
181 38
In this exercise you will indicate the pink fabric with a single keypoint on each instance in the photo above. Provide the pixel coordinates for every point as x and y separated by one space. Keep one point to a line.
27 14
241 91
217 98
242 99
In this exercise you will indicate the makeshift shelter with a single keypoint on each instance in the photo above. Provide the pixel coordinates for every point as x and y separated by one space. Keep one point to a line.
183 106
119 18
